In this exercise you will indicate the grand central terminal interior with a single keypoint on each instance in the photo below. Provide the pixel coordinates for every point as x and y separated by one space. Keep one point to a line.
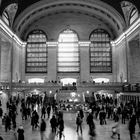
71 56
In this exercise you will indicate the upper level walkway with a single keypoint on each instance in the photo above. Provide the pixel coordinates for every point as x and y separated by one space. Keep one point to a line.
54 86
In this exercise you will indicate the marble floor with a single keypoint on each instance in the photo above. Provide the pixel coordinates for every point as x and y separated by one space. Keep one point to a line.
103 132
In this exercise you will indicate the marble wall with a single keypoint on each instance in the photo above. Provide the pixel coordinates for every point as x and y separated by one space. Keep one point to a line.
134 59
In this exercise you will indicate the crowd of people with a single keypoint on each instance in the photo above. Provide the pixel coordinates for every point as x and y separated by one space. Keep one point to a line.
102 110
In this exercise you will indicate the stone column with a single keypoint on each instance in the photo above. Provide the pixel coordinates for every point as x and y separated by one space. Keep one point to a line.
52 61
114 63
84 61
133 60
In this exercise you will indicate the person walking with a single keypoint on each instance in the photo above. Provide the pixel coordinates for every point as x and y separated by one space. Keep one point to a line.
116 129
60 128
53 123
131 126
48 111
101 115
91 124
7 123
20 132
43 112
1 112
42 129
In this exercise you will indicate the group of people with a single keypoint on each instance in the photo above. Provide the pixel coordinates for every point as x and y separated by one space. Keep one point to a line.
56 122
30 110
35 109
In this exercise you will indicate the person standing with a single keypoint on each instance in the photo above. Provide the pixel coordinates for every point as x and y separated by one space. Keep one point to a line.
20 132
79 123
42 129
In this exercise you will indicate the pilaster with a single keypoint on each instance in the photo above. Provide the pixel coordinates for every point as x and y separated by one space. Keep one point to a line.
52 61
84 61
5 61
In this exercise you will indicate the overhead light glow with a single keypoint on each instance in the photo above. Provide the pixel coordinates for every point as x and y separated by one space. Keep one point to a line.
100 80
35 80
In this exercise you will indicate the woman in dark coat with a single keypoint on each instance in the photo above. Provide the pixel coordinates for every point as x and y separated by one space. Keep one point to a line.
20 132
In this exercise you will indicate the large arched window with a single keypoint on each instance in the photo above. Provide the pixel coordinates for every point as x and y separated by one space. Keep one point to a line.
68 52
36 52
100 52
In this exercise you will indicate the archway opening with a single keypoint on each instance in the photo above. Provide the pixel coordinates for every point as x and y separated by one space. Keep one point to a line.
101 80
36 80
68 81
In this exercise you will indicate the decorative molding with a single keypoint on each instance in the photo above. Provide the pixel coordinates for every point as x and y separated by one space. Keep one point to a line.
10 34
127 33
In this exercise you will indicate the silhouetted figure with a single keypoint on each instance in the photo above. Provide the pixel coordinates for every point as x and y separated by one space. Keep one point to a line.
43 112
79 123
20 132
91 124
60 128
132 124
53 123
7 123
42 129
1 112
48 111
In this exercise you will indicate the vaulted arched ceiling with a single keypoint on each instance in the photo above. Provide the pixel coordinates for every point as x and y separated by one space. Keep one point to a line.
53 16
